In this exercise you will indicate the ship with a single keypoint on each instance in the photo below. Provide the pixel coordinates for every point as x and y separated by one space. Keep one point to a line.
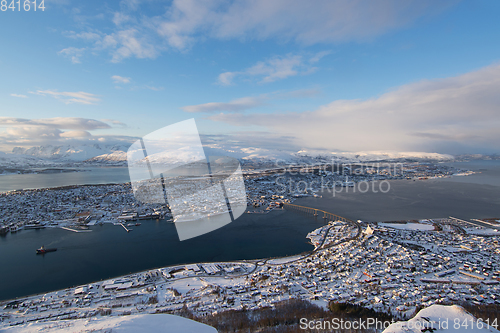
4 230
15 228
43 250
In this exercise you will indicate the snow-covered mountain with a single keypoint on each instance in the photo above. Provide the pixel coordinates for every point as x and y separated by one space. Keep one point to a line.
103 154
116 156
68 152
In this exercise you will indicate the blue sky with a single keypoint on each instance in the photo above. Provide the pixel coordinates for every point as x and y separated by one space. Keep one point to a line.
336 75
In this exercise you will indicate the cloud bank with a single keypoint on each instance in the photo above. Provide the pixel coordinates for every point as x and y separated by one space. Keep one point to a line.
56 131
453 115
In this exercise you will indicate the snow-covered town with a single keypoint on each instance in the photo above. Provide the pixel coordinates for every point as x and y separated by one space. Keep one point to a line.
76 207
383 266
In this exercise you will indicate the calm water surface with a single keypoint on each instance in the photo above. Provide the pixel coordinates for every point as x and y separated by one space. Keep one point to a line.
466 197
89 175
108 251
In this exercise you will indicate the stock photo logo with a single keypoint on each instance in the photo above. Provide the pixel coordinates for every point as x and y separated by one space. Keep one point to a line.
169 166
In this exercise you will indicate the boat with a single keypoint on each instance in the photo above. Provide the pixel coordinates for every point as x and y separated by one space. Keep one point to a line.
43 250
15 228
34 226
137 224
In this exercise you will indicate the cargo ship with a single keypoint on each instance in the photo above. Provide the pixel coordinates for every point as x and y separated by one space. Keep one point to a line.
43 250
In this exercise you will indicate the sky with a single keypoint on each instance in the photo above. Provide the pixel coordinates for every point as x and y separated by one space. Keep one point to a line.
385 75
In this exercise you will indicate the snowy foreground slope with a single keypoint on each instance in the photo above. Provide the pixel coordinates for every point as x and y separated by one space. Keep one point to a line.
441 318
119 324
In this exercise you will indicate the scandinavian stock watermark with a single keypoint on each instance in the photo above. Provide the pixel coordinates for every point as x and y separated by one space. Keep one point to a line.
336 177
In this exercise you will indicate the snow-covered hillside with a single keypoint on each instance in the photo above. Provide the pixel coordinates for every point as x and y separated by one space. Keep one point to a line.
441 318
119 324
116 156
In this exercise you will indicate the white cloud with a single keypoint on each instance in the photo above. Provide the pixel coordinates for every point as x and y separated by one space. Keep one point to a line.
318 22
120 18
226 79
67 97
154 88
128 44
457 114
245 103
75 134
318 56
60 130
130 4
27 133
273 69
276 68
184 22
120 79
73 123
232 106
73 53
305 22
86 35
19 95
114 122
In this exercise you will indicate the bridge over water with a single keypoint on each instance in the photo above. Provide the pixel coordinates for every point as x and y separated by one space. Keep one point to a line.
317 212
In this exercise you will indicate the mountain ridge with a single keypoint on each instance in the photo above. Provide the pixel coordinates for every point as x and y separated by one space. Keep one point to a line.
117 154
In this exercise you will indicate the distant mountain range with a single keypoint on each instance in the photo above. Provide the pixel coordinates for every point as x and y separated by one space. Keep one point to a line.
117 154
102 153
70 153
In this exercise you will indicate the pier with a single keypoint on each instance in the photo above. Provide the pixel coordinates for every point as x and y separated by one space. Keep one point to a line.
124 227
74 230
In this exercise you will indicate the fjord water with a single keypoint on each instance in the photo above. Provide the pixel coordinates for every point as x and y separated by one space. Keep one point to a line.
85 176
465 197
109 251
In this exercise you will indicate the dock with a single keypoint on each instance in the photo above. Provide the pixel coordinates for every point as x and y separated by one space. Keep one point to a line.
74 230
124 227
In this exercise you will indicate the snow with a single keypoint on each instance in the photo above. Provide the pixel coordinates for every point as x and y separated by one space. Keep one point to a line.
482 231
408 226
443 318
381 155
284 260
119 324
101 152
116 156
185 285
71 153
